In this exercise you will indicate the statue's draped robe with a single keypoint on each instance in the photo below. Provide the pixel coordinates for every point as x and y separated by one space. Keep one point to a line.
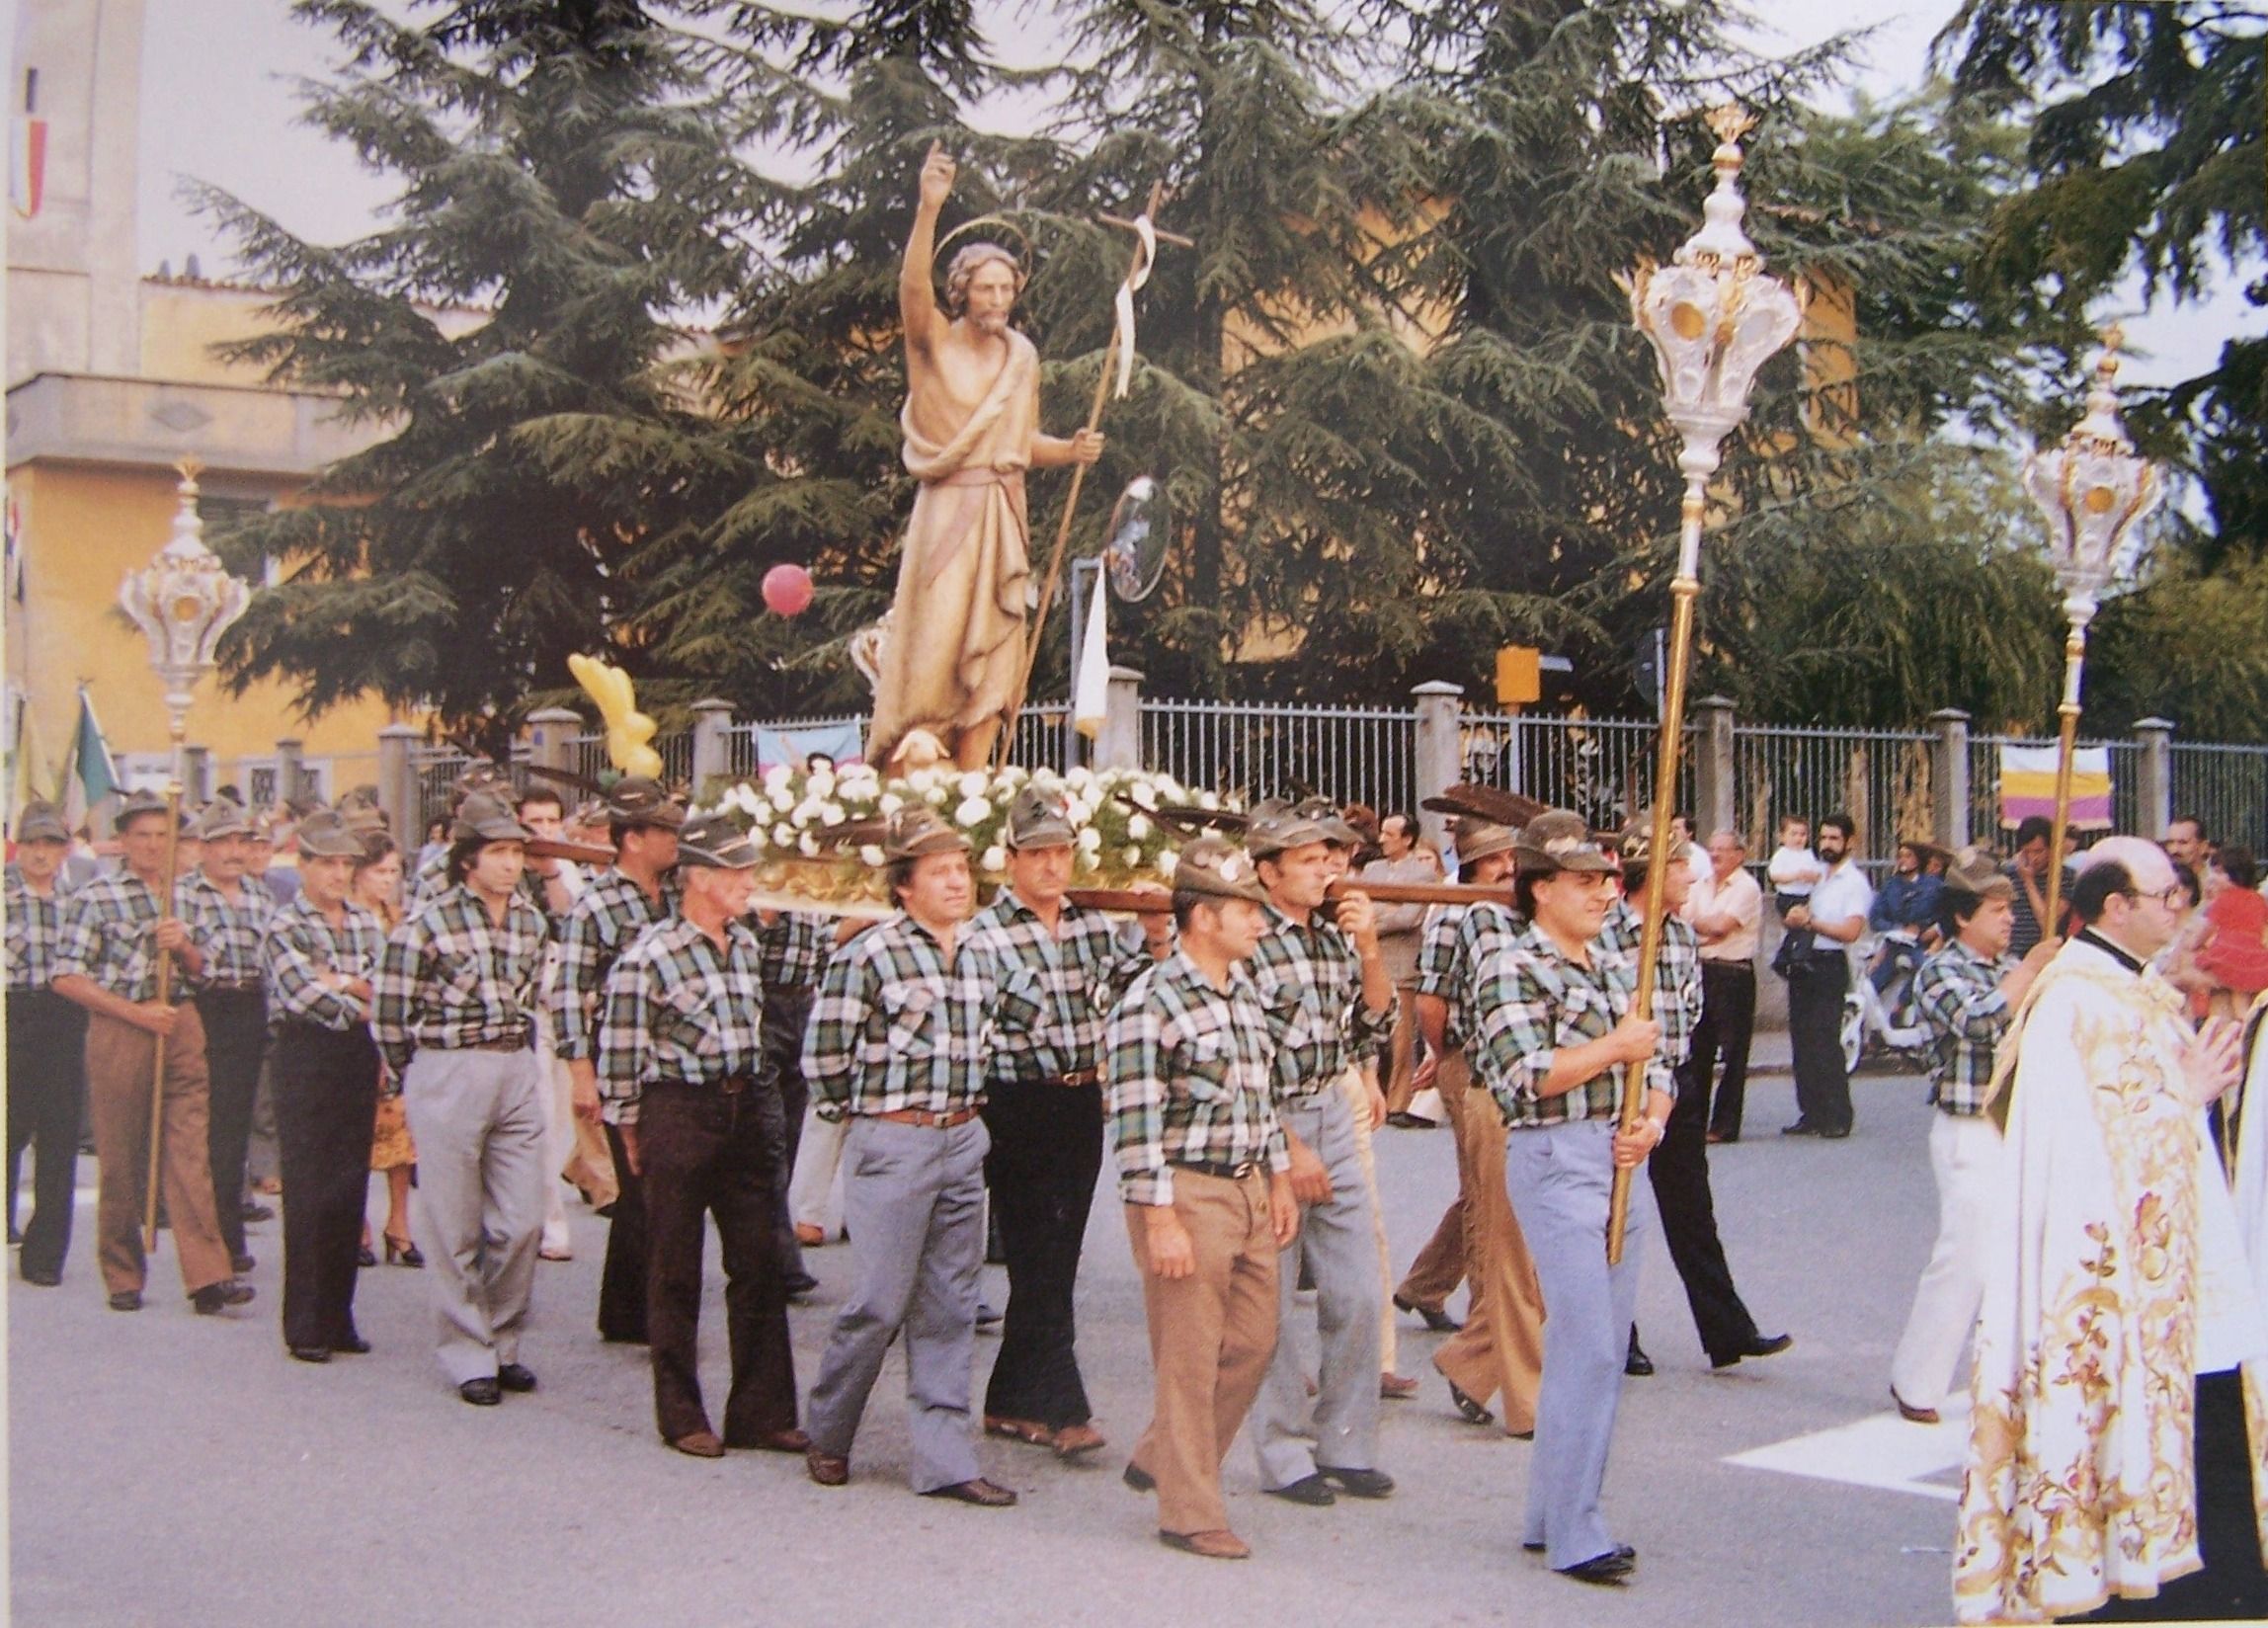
2112 1245
955 648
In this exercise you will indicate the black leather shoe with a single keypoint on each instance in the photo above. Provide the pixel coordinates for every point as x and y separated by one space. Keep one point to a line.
126 1300
1758 1346
1802 1127
481 1393
1439 1320
44 1279
241 1263
1311 1489
258 1212
353 1345
1637 1365
310 1354
1835 1135
1471 1412
1361 1483
1611 1569
368 1257
1141 1479
512 1377
210 1299
799 1284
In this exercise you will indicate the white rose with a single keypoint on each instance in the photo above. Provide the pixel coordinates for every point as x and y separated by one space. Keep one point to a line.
775 778
1170 789
922 779
870 855
973 785
783 834
1206 800
1081 777
973 812
832 813
1090 842
759 836
934 796
1167 860
1133 855
805 812
1144 797
808 846
782 799
1138 827
996 857
890 802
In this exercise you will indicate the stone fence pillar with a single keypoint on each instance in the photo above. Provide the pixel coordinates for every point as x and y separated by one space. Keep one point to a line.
1716 803
2154 777
1949 779
289 779
712 742
398 786
1440 720
1119 745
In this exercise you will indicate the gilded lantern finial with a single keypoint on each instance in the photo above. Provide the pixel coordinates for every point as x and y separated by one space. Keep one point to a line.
1729 123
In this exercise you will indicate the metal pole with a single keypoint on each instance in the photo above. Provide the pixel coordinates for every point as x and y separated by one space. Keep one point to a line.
164 982
2066 749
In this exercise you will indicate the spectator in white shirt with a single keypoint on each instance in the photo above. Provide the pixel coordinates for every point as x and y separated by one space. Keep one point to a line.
1835 917
1726 910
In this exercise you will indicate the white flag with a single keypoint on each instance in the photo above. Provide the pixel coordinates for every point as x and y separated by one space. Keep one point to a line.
1091 692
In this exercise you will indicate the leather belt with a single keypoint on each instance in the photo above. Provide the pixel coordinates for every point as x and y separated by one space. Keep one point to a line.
521 1045
926 1119
730 1084
1227 1172
1082 1077
1077 1076
254 988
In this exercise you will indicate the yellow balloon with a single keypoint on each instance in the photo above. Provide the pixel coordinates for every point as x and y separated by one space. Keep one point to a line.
627 729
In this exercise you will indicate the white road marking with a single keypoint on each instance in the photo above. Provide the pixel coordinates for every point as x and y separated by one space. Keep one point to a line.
1883 1451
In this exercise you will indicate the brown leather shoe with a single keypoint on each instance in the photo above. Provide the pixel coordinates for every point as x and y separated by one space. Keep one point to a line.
1073 1440
1394 1387
1217 1544
1907 1410
789 1440
826 1468
1020 1430
983 1493
699 1444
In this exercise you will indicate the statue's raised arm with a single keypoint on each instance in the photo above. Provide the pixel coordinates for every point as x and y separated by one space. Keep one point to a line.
916 303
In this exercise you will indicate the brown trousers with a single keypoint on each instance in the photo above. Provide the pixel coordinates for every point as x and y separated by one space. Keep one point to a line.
1211 1337
120 1063
1400 1066
1500 1349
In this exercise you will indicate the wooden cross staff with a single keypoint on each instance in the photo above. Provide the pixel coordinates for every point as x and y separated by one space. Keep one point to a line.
1135 265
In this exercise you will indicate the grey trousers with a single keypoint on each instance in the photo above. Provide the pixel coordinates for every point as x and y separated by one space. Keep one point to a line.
1560 1178
478 1210
1336 1241
913 1200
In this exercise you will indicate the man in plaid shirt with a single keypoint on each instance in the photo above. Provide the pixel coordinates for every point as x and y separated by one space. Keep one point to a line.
682 1061
228 912
1967 992
1556 1034
614 908
1499 1352
454 1014
897 1042
46 1045
106 960
1061 969
1207 1175
1680 1167
321 952
1329 1000
793 948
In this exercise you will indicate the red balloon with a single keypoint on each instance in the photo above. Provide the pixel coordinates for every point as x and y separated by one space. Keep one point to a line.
787 590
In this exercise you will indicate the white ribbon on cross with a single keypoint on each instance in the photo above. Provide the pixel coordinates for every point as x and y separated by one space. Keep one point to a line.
1147 235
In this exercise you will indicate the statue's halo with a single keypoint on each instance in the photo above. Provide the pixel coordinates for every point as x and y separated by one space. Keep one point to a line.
996 224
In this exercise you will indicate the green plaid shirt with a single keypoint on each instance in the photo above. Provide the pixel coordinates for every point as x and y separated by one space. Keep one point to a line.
679 1009
610 913
1959 994
1310 980
1455 944
1676 980
1190 1079
451 979
300 945
34 931
792 950
108 934
232 935
895 1027
1055 989
1532 1001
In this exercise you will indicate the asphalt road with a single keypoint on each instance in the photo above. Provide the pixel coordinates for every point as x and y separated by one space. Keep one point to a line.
169 1469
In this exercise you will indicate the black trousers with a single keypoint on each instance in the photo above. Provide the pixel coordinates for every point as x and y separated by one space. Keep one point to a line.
47 1097
1679 1168
235 1041
785 1011
2232 1587
1046 1152
1815 1029
326 1108
709 1153
623 1280
1727 1024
